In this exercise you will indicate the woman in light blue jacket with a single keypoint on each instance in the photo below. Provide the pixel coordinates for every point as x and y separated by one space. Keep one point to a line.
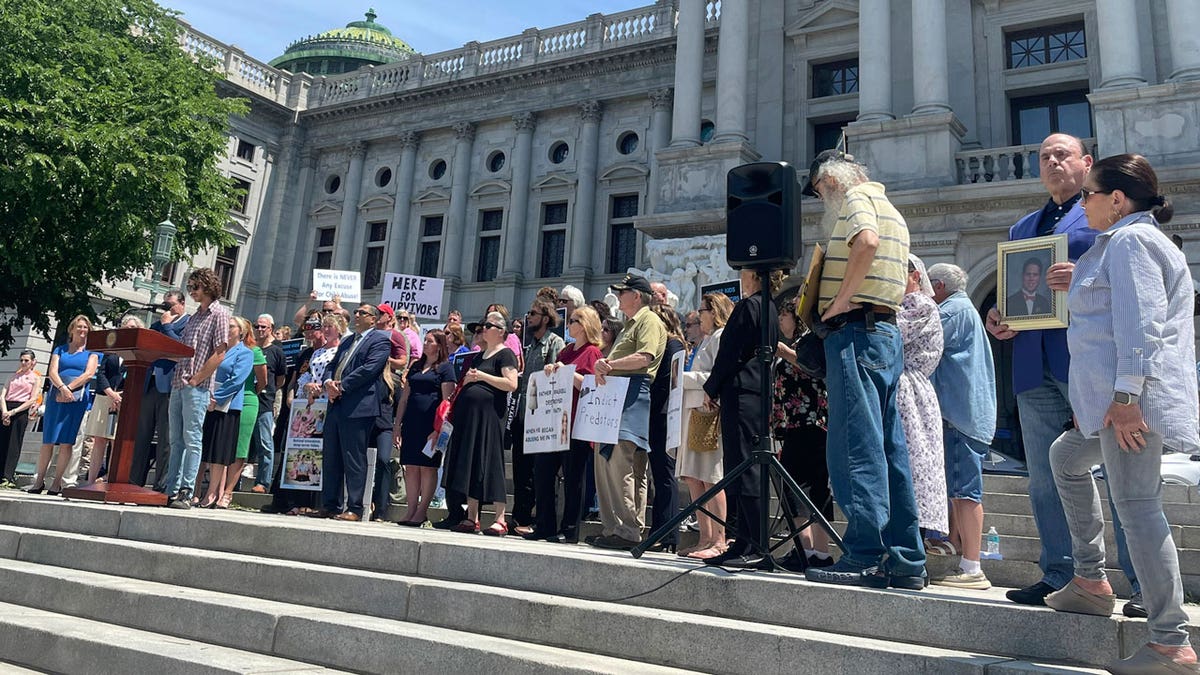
222 423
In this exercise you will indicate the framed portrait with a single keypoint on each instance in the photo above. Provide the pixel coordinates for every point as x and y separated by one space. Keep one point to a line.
1022 297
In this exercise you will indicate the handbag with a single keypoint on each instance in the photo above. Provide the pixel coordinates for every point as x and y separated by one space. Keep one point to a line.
704 430
810 355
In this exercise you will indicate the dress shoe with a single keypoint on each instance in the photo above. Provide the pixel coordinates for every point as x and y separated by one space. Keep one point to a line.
446 524
844 574
1134 609
1031 595
614 542
321 513
590 540
348 516
663 547
570 535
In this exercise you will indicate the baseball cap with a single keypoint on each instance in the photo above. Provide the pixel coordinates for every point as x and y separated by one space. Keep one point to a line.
387 309
820 160
632 282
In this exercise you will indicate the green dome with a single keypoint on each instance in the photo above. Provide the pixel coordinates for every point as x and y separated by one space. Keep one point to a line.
342 50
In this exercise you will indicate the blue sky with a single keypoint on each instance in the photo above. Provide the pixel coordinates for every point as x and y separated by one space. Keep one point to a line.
264 28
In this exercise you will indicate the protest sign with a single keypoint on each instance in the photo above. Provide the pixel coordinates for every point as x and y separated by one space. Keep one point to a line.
291 350
548 411
675 401
346 285
730 289
598 418
461 363
421 296
302 449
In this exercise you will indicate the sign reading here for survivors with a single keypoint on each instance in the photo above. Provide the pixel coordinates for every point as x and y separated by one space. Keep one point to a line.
598 418
421 296
347 286
548 411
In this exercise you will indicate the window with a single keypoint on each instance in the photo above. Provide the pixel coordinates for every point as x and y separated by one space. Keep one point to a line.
554 241
437 169
835 78
224 267
373 267
383 176
627 144
1047 44
168 272
489 258
245 150
706 130
431 226
241 197
491 220
431 245
828 135
559 152
622 243
325 239
1036 117
495 161
332 184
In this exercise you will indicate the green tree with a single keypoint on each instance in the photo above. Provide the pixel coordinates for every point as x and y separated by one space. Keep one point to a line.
106 125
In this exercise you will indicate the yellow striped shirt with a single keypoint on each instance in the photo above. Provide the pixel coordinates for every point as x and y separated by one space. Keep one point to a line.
866 207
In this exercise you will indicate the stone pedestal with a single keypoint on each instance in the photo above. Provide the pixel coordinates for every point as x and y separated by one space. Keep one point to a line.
693 178
912 152
1161 122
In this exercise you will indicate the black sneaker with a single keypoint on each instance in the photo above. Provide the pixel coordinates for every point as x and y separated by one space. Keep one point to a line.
1134 609
916 582
814 561
182 500
844 574
1031 595
795 561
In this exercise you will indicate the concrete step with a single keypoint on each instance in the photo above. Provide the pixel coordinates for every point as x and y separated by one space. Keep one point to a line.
1177 513
1008 484
61 643
400 569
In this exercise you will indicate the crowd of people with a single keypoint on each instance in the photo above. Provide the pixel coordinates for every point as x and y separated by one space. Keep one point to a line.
895 430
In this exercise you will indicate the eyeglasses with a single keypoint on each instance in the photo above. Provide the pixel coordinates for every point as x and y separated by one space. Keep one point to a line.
402 318
193 287
574 320
262 328
562 301
1088 193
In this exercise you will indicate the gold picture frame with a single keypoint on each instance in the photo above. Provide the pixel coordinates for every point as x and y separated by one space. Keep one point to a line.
1016 264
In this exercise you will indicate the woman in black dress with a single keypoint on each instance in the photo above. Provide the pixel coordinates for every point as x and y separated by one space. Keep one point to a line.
430 380
662 463
475 456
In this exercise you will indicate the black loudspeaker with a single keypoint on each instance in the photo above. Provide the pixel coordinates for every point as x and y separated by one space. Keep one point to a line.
762 216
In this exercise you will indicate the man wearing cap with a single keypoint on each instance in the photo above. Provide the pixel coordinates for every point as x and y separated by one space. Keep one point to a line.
354 388
621 468
862 286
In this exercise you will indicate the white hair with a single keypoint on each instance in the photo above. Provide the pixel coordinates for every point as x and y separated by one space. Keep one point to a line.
952 276
270 319
846 173
573 294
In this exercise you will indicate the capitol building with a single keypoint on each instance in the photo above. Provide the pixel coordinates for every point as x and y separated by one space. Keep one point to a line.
573 153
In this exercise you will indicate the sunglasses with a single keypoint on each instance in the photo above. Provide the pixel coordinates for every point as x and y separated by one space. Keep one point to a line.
1088 193
402 318
573 320
562 301
262 328
704 309
363 312
492 325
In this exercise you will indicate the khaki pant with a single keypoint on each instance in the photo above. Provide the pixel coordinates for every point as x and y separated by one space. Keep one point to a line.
621 487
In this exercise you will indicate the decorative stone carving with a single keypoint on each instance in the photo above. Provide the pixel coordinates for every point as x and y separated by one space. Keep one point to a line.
409 139
308 158
686 264
524 121
358 150
464 131
590 111
660 99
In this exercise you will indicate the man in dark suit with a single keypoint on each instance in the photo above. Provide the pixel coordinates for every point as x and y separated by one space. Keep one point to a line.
354 390
1027 301
157 398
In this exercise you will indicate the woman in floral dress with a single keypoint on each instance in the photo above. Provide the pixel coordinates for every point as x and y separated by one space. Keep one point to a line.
921 330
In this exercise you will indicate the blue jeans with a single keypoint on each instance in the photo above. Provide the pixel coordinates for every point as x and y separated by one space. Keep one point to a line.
263 445
186 417
867 452
1044 413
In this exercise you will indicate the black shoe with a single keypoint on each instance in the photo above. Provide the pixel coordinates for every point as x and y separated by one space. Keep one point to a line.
749 561
615 543
814 561
182 500
1031 595
1134 609
663 547
570 536
446 523
795 561
590 540
737 550
844 574
916 582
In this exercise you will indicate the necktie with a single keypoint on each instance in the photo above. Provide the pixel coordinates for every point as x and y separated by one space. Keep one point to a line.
354 340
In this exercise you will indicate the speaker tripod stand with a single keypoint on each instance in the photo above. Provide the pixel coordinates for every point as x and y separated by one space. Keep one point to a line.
770 472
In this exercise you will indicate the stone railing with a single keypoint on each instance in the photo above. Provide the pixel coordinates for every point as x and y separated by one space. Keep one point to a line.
995 165
273 84
597 33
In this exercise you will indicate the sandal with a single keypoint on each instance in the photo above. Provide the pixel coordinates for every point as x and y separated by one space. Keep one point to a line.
939 547
223 503
496 529
466 527
710 552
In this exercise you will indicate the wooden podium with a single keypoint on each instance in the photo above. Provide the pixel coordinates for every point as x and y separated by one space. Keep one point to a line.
140 348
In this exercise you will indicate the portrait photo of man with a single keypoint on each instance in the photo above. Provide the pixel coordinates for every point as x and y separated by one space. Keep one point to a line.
1026 273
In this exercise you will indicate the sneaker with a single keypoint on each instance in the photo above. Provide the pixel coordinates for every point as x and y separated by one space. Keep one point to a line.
1031 595
689 524
250 471
182 500
1135 608
960 579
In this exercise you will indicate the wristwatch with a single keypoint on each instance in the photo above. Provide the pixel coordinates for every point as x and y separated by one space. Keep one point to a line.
1124 398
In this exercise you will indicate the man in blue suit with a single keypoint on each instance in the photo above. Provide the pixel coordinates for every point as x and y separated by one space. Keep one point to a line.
157 398
354 388
1039 367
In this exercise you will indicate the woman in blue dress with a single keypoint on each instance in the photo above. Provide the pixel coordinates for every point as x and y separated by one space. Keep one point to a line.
71 369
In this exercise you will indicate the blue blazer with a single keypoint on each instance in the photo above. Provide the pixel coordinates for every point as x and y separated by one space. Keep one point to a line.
1031 346
362 387
163 370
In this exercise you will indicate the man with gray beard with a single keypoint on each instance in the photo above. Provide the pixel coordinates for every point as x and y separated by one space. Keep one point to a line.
862 286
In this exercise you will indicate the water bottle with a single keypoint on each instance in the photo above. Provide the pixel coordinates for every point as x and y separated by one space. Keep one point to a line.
991 545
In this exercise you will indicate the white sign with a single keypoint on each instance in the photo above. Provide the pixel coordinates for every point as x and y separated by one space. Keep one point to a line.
302 449
421 296
675 401
346 285
598 417
548 411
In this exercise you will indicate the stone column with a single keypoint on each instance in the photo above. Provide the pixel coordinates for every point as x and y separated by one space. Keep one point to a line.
931 85
402 249
733 58
660 137
689 73
301 243
516 240
875 60
584 218
1120 49
456 220
347 236
266 233
1183 24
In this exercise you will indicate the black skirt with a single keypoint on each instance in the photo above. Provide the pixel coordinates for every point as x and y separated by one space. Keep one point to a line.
221 436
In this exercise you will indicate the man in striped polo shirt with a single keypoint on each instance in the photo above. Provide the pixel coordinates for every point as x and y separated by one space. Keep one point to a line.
862 285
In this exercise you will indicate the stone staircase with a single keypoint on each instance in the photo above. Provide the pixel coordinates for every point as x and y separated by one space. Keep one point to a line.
89 588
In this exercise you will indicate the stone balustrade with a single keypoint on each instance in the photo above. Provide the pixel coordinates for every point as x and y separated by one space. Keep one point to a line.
273 84
994 165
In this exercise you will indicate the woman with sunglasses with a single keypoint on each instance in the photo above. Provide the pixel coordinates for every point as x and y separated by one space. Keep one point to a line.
17 399
71 369
474 463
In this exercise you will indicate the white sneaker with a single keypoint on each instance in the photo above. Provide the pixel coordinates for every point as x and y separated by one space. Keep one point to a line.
250 471
960 579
